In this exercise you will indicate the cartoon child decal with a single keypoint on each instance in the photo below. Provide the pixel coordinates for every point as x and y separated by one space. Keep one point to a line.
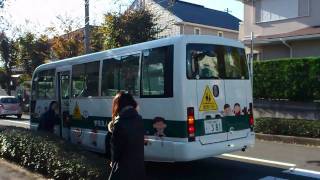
237 109
245 111
77 134
159 125
227 110
93 136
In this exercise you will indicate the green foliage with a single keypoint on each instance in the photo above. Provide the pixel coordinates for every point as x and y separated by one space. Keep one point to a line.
292 79
96 40
8 54
289 127
129 28
49 155
2 78
65 47
33 51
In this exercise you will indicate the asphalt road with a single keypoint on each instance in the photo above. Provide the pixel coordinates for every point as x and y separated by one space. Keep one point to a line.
266 160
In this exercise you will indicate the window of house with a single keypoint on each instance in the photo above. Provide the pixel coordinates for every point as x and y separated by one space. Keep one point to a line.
44 85
273 10
85 79
197 31
157 72
220 33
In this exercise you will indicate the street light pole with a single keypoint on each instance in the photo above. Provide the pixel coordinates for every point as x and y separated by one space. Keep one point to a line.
251 57
87 28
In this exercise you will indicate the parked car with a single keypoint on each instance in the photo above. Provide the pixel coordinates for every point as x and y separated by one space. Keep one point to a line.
9 105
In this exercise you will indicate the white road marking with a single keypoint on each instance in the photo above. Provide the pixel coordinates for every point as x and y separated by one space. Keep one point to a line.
259 160
293 170
303 172
271 178
17 122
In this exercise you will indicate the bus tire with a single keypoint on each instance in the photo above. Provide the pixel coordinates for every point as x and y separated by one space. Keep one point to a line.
19 116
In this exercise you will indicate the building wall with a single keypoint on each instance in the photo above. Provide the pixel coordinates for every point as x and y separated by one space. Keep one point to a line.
173 26
165 19
274 51
280 26
189 29
306 48
299 49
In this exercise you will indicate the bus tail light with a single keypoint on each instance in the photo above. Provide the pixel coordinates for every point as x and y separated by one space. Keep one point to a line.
191 124
251 119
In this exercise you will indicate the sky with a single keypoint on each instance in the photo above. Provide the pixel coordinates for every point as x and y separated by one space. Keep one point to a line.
37 15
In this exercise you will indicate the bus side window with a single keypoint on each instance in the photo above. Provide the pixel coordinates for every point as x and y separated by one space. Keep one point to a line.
44 85
129 74
85 81
110 77
157 72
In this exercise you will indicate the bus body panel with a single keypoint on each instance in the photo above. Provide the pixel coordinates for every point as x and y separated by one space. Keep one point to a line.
95 112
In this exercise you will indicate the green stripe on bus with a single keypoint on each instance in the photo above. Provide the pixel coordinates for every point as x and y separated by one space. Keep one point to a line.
177 129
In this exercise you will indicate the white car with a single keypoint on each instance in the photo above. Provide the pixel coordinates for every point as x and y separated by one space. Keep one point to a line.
9 105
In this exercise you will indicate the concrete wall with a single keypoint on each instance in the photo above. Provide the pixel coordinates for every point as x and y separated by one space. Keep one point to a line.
286 110
280 26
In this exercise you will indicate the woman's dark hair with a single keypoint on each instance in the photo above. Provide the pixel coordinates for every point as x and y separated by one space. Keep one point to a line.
51 104
120 101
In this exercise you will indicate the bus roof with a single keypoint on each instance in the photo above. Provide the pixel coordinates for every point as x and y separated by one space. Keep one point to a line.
206 39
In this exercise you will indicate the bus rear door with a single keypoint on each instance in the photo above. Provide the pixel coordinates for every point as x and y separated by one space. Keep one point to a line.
204 65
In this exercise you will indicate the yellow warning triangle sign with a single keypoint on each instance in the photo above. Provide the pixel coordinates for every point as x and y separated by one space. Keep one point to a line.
76 112
208 103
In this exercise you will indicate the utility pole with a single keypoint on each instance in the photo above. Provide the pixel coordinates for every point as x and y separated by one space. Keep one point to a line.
251 56
228 11
86 28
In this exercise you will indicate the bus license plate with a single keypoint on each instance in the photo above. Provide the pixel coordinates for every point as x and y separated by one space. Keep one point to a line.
213 126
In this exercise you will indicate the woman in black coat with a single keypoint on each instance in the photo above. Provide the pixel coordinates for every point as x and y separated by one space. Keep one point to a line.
127 140
49 118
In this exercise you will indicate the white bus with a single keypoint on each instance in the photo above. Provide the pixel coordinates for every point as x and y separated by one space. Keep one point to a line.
194 94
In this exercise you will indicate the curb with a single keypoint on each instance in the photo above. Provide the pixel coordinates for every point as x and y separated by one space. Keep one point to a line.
289 139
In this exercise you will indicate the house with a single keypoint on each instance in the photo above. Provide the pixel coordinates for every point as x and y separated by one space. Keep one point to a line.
178 17
281 28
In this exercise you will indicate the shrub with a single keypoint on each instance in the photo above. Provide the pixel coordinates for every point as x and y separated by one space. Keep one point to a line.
292 79
289 127
49 155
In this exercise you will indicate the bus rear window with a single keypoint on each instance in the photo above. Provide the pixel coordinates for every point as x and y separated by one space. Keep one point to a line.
216 62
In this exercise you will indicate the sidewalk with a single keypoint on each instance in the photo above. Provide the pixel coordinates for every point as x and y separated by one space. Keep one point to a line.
9 171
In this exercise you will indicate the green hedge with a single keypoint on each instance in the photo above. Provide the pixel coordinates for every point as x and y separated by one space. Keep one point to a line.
288 127
292 79
49 155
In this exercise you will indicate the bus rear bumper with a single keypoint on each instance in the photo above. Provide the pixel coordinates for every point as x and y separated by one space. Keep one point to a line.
195 150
